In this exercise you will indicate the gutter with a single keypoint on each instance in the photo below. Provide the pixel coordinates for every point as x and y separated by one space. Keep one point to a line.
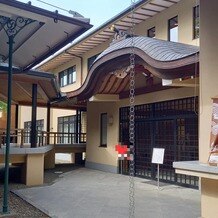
18 70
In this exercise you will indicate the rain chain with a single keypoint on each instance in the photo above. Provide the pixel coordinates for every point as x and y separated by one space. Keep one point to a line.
132 119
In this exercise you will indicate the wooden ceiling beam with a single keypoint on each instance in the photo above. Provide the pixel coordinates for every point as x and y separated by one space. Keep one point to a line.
91 43
29 103
81 49
123 85
142 14
115 86
104 82
135 18
43 93
102 36
109 31
4 98
146 9
158 5
123 25
23 90
110 84
84 46
171 1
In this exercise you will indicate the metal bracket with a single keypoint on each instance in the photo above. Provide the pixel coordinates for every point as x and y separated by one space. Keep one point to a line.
13 26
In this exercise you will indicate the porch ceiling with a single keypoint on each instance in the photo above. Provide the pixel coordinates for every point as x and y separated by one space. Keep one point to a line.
48 33
153 58
144 10
22 87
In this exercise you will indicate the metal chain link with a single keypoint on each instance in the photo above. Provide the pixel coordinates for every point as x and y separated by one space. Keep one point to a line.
132 119
196 106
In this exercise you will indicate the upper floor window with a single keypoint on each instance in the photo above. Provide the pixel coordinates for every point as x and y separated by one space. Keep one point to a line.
173 29
151 32
196 22
91 60
67 76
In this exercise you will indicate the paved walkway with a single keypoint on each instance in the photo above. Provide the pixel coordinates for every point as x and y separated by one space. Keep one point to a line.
85 193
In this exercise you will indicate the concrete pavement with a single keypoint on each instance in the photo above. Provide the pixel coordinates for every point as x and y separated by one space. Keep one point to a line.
85 193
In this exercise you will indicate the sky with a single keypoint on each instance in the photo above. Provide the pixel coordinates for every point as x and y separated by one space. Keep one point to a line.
99 11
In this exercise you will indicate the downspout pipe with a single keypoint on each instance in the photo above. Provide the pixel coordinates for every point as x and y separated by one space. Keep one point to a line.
81 63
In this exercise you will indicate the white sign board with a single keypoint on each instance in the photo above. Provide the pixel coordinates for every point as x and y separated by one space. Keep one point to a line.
213 158
158 155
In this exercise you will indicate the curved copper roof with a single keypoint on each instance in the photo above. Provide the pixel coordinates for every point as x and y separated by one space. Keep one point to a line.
159 50
163 59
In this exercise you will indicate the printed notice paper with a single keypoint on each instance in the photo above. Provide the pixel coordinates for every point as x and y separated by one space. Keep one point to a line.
158 155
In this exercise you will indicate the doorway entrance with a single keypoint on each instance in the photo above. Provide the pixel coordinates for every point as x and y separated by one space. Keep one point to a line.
172 125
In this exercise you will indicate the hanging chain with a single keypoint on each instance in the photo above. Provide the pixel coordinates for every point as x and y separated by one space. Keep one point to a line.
197 109
132 119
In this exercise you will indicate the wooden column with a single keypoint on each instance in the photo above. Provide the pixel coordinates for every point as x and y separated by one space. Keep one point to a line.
33 134
48 122
77 126
16 121
208 89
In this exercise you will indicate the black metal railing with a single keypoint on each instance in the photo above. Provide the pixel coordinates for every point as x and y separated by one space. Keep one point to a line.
21 138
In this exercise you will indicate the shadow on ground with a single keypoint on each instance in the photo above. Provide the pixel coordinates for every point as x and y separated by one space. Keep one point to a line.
18 207
49 177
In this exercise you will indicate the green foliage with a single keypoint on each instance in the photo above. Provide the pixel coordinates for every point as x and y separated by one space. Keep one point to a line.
3 106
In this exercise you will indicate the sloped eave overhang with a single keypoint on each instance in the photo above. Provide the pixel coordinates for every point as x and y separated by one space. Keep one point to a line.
48 89
164 59
46 33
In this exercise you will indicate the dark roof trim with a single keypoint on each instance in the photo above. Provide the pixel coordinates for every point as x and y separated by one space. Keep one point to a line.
17 70
43 12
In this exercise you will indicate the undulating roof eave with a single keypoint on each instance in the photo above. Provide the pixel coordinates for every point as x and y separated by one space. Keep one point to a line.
163 59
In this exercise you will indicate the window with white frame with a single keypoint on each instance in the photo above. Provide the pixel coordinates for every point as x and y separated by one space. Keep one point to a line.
173 34
67 76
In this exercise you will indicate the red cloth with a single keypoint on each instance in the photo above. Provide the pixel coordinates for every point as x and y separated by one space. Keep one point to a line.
121 149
